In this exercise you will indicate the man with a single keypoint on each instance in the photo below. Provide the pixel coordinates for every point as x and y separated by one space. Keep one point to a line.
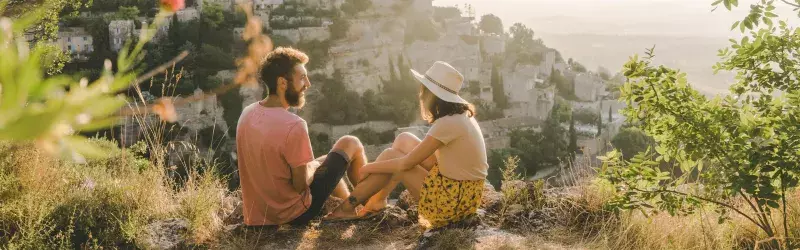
281 181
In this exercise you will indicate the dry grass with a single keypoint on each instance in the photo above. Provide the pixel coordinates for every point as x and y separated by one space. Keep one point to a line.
48 203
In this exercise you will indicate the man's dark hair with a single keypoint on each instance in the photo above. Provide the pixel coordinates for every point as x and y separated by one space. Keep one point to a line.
280 63
439 108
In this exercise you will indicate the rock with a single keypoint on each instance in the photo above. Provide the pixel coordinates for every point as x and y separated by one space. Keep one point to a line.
231 211
515 210
491 198
166 234
405 200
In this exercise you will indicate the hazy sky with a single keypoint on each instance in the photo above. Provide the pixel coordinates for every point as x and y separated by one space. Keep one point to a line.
619 17
687 34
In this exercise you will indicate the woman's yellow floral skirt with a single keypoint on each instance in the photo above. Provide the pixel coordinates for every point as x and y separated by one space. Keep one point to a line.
443 200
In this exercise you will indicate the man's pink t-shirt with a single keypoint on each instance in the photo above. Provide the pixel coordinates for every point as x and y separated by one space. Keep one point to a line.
270 142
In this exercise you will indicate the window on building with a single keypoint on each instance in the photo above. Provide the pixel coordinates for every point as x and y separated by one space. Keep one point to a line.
69 47
69 39
85 39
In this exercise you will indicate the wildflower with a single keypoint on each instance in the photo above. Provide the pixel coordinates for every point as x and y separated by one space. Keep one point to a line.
165 109
172 5
88 184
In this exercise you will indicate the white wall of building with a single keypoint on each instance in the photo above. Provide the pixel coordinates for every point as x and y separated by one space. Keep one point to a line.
75 40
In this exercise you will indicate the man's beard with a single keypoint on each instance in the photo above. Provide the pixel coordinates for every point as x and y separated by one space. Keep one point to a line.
293 97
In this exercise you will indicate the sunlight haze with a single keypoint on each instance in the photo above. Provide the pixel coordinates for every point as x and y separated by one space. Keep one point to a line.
605 33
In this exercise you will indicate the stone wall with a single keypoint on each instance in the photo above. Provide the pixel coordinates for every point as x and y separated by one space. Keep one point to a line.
497 142
304 34
466 58
314 33
291 34
501 127
202 114
336 132
494 44
591 146
188 14
373 151
119 31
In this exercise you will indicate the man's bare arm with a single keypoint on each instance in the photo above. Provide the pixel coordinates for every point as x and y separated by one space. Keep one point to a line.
303 175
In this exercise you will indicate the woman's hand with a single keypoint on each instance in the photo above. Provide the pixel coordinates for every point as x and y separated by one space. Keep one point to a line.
405 166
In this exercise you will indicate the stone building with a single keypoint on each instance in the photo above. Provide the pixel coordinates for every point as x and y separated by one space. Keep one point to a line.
323 4
494 44
589 86
188 14
266 5
118 33
76 41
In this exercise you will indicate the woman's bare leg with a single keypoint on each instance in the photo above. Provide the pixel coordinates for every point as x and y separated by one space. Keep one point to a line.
412 179
379 200
403 145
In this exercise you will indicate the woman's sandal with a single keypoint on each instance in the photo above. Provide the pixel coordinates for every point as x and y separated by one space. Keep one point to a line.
369 214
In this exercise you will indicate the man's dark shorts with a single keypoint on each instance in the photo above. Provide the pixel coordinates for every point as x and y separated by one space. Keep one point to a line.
326 178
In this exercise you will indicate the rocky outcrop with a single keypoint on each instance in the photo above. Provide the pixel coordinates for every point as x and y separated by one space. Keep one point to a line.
166 234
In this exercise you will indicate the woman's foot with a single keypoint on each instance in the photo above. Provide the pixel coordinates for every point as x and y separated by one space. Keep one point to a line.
373 206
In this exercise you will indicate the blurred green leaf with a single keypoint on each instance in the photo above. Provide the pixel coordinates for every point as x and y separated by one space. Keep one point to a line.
735 24
30 126
95 125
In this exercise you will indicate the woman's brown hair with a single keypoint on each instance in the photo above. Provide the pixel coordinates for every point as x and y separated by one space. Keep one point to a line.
435 108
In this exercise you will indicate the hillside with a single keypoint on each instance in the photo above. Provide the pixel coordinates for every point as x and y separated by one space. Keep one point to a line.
693 55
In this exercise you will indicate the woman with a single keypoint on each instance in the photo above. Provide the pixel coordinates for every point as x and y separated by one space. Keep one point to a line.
445 171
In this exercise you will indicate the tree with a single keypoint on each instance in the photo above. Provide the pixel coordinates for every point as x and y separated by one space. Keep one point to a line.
742 146
604 73
491 24
521 39
573 140
127 13
631 141
585 116
486 111
565 87
212 16
339 28
576 66
498 90
317 52
353 7
599 122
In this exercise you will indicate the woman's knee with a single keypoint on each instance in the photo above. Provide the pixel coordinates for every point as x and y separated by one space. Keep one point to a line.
350 145
406 142
388 154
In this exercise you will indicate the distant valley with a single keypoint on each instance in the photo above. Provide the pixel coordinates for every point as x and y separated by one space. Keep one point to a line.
693 55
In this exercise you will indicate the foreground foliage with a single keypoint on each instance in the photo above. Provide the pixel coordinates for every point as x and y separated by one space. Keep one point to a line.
740 148
47 203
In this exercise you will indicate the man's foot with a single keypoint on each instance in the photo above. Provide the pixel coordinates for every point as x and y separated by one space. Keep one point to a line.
342 214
